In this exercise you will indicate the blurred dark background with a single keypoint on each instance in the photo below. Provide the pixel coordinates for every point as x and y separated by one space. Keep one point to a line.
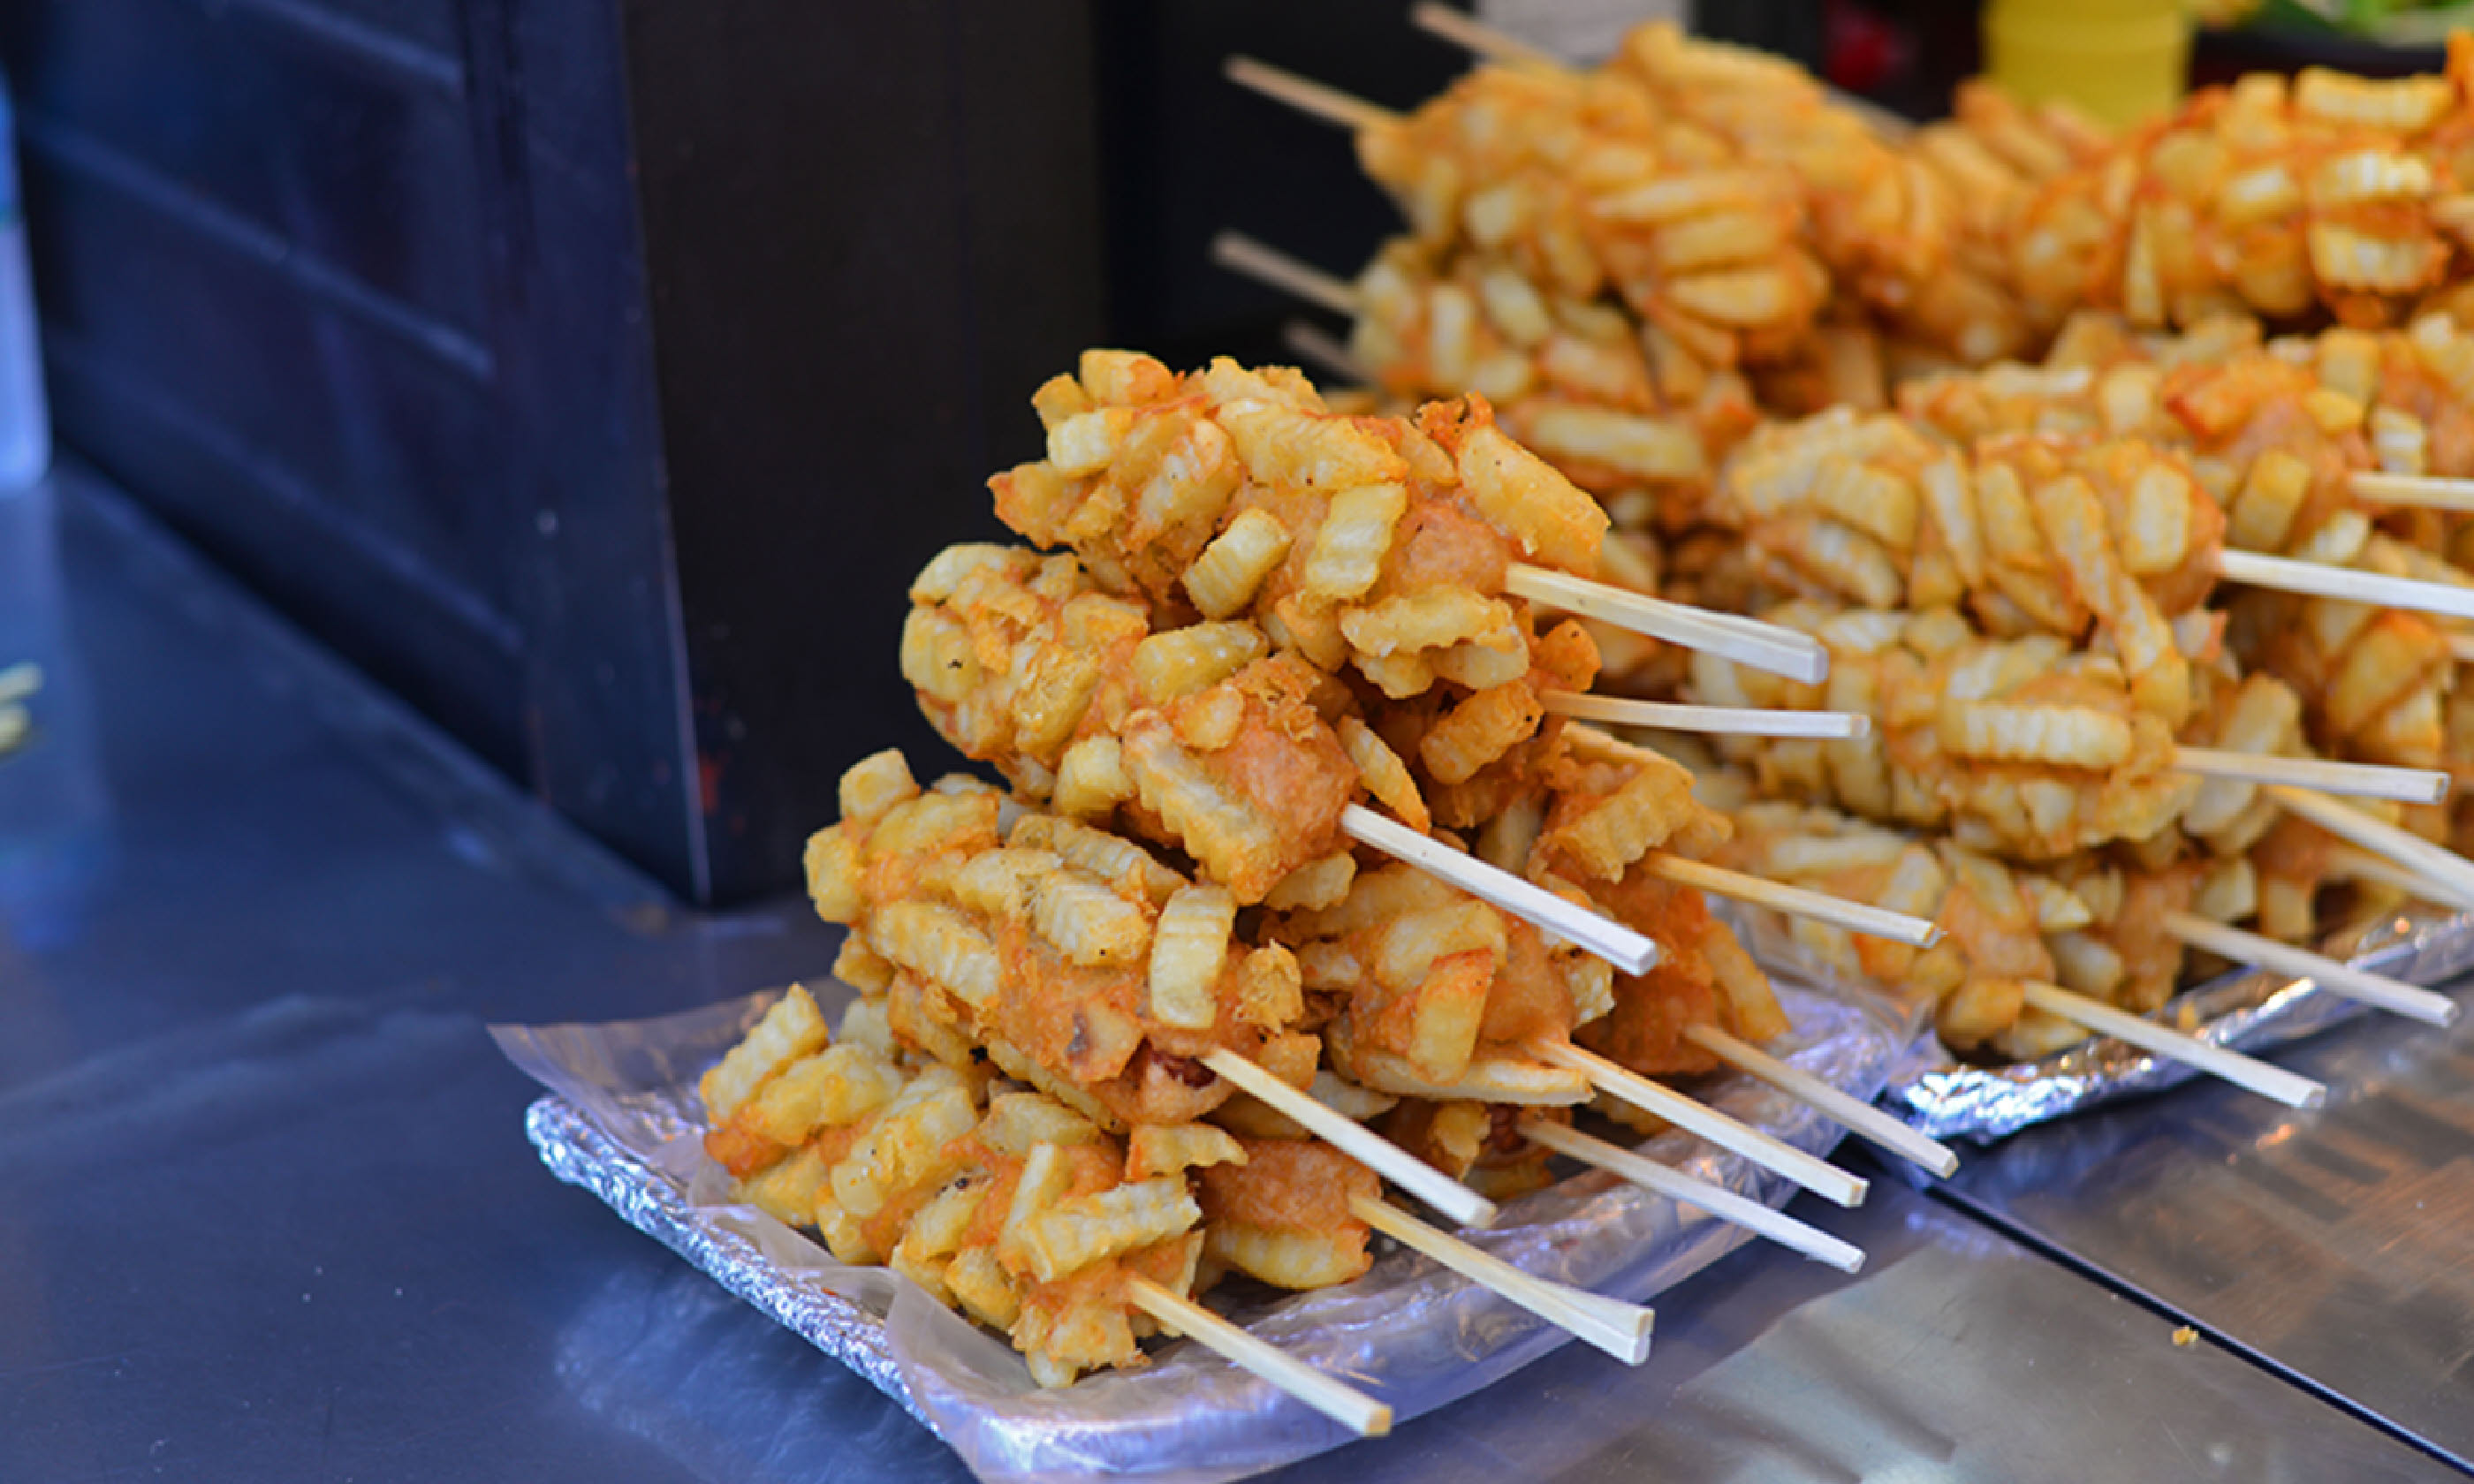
596 374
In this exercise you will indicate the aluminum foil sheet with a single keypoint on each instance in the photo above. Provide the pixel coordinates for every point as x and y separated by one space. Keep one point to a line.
2247 1010
622 1121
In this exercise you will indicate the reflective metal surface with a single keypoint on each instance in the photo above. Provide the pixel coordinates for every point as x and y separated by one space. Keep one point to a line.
1955 1355
2338 1244
267 1212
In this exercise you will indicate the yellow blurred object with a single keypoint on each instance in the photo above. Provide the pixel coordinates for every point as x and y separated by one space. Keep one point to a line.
2124 61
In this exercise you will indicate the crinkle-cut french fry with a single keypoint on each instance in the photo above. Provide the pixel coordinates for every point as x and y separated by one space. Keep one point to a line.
940 945
1190 947
1224 580
1071 1235
791 1029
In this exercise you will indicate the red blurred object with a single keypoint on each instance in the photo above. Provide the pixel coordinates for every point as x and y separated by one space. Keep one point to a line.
1863 50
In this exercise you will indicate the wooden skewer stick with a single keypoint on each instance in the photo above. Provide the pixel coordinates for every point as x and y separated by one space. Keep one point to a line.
1620 1330
1767 647
2351 863
1321 348
2364 780
2450 873
1342 1402
1739 721
1862 1119
2242 948
2318 580
1315 100
1269 266
1818 1176
1478 38
1794 900
2417 491
1360 1143
2288 1087
1598 934
1252 257
1684 1190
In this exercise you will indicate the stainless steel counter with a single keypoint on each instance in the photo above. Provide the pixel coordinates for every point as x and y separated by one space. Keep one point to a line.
2337 1245
267 1212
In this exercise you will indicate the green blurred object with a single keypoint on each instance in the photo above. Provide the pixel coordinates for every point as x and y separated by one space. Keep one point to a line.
2395 22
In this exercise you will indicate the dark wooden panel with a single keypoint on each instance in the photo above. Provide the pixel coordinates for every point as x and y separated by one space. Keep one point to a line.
1188 153
597 374
361 165
402 445
860 272
605 682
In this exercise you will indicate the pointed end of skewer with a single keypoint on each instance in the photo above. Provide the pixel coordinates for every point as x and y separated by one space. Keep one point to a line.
1943 1166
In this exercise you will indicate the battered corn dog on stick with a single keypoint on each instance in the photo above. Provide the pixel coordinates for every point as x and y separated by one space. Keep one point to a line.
1359 542
2283 436
1460 776
1583 184
1078 962
2096 923
2026 748
1007 1205
1575 380
2324 195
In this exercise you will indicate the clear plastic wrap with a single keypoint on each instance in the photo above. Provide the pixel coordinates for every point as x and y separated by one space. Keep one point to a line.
622 1121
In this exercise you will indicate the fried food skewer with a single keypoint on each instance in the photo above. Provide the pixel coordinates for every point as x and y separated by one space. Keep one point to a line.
2291 1089
1336 1400
1684 1190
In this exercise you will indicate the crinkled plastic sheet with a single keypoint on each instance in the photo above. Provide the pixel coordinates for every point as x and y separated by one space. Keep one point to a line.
2247 1010
622 1121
